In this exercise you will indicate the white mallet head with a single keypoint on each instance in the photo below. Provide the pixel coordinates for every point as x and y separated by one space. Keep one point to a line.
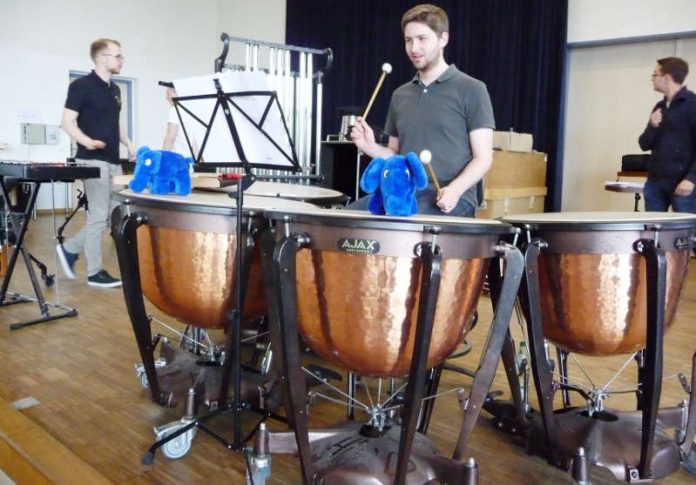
426 157
386 68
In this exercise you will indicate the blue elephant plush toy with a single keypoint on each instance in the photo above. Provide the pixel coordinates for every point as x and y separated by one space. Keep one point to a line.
393 183
162 172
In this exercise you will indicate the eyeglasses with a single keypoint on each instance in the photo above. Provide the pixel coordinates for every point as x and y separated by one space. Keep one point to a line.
117 56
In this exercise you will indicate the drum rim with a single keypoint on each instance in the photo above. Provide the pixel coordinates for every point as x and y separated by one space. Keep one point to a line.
328 216
656 222
182 205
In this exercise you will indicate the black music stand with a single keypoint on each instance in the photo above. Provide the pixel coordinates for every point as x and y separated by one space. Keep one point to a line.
242 129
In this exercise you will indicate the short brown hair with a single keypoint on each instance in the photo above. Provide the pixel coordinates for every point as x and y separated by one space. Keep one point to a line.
674 66
430 15
99 45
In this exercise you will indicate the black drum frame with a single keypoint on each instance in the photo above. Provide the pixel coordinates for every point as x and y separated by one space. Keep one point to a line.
247 394
568 438
279 260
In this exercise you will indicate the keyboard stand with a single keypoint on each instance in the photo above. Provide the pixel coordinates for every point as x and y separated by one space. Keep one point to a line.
19 222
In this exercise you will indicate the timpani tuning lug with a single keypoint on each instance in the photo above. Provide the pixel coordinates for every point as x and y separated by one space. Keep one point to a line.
471 473
684 383
581 468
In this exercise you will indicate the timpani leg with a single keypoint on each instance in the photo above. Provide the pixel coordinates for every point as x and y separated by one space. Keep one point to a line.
124 231
651 384
429 285
543 377
283 322
505 293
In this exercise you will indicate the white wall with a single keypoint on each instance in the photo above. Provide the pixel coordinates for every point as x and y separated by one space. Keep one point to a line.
42 40
609 93
593 20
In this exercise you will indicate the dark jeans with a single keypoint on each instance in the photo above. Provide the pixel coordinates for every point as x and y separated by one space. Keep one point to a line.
659 197
426 205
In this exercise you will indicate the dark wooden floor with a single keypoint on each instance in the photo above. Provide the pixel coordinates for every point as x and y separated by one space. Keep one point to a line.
81 371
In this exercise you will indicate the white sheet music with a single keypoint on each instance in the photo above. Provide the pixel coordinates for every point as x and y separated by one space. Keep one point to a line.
263 140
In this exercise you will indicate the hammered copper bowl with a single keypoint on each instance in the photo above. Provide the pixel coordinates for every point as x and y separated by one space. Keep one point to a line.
357 307
593 282
187 254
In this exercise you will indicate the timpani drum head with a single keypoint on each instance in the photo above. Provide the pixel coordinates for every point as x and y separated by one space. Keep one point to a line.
307 193
358 284
592 279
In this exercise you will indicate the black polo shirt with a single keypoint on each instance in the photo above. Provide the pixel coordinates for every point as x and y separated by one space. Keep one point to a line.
98 104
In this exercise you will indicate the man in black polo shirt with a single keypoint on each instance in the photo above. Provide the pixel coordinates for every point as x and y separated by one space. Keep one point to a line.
91 118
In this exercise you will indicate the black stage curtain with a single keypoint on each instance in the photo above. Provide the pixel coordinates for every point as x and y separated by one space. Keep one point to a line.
517 47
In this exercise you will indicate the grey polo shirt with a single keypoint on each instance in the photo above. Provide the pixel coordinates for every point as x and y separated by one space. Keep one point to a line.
439 117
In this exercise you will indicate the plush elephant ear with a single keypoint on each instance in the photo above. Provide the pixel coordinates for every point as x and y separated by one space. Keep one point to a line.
142 169
370 177
420 178
145 159
156 157
142 151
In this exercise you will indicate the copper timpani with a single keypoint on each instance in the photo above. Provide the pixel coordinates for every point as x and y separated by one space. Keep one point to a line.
357 284
603 284
385 297
187 251
592 279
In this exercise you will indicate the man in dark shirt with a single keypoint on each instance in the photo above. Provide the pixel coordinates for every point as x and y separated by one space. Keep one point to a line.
91 118
671 135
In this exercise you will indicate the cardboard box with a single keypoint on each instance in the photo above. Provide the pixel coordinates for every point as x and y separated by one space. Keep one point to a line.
516 169
498 203
512 141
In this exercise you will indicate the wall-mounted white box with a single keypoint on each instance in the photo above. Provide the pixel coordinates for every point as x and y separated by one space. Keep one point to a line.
32 133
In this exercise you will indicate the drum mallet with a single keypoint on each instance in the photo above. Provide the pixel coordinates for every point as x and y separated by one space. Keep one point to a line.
426 157
386 69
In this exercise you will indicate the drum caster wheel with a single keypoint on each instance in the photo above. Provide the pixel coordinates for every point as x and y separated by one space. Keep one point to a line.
178 447
49 280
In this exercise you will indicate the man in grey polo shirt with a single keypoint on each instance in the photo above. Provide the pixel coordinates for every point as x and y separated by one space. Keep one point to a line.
441 109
